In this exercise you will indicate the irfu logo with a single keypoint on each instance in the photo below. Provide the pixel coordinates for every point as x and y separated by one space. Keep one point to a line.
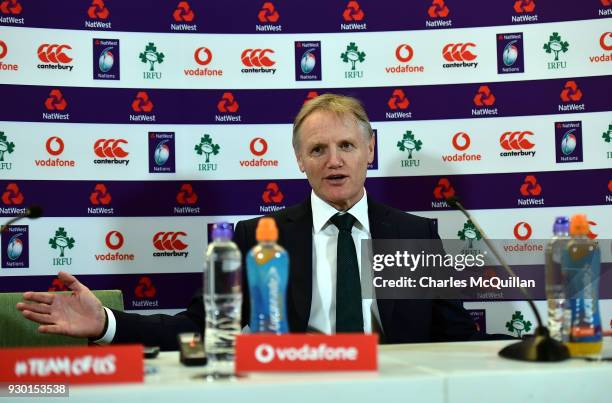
352 56
556 46
6 147
469 233
61 241
411 144
607 136
518 324
151 56
207 148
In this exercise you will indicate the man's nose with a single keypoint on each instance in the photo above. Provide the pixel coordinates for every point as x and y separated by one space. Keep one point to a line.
335 158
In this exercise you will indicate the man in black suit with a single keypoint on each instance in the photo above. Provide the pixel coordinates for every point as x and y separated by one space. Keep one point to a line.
333 144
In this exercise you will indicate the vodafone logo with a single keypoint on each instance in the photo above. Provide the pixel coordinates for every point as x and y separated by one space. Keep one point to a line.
258 146
605 41
266 354
522 231
114 240
3 49
54 146
461 141
404 53
202 56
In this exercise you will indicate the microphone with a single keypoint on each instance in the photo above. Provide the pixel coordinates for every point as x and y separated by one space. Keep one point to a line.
539 347
32 212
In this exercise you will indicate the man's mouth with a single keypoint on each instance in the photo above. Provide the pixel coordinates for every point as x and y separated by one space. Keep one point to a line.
336 179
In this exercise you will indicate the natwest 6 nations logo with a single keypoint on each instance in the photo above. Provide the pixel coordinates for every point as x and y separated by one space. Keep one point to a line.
15 247
161 152
170 244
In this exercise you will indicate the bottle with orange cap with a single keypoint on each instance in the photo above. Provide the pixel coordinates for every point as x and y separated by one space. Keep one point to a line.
580 263
267 274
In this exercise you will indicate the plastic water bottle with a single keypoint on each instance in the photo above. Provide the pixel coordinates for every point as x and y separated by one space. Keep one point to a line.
581 263
555 281
222 301
268 272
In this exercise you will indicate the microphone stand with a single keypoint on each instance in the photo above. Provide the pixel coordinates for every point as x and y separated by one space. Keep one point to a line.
539 347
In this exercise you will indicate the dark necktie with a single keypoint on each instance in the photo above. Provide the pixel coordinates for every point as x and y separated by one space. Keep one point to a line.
349 316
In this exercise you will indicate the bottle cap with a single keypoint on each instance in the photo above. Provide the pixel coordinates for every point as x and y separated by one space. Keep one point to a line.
579 225
222 231
266 230
561 225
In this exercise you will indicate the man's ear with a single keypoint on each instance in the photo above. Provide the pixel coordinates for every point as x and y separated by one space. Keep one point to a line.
371 144
299 160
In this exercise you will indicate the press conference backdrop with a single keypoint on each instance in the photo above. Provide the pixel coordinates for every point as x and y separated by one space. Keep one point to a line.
137 124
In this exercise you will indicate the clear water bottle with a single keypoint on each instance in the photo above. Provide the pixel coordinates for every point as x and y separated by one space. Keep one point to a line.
555 282
222 301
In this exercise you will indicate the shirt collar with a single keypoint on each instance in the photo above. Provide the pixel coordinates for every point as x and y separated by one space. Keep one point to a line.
322 212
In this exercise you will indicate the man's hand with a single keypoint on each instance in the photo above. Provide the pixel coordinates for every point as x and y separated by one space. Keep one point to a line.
79 314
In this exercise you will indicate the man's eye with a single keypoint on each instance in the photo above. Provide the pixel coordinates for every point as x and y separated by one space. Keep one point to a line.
316 151
346 146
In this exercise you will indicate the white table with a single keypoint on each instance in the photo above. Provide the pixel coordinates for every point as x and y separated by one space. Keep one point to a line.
441 372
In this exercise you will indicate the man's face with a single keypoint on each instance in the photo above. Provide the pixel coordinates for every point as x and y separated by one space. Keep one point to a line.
334 152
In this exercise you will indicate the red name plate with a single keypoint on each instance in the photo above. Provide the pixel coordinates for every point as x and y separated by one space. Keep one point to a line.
306 352
73 365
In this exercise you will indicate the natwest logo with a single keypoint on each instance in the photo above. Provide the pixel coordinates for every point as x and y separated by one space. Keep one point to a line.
353 16
483 99
12 196
187 198
524 11
441 192
268 16
258 61
10 9
143 105
145 290
56 103
258 147
100 197
461 142
110 151
228 105
398 103
99 13
203 56
55 147
114 241
517 144
183 14
459 55
272 197
404 54
570 95
530 189
438 11
54 56
170 244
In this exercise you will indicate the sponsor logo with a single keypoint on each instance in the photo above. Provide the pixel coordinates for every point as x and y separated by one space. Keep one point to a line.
257 61
441 192
591 235
187 198
145 291
228 105
268 17
404 54
100 197
265 353
438 12
517 144
207 148
54 57
374 163
605 11
398 103
568 141
308 61
170 244
151 57
483 99
518 325
106 59
272 197
510 53
530 190
12 196
56 103
556 46
142 104
7 147
258 147
461 142
114 241
63 242
203 57
15 247
570 95
55 147
459 55
161 152
111 152
9 9
409 144
352 56
480 319
606 136
353 16
183 14
605 42
99 13
311 95
57 285
470 234
3 52
524 11
522 231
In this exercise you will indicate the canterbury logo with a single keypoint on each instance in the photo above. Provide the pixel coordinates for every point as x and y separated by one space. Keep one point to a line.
169 241
56 101
53 53
522 231
404 53
183 12
524 6
461 141
54 146
12 195
186 195
605 41
443 189
100 195
484 96
438 9
257 58
398 100
227 103
272 194
353 12
145 288
268 13
114 240
458 52
516 141
3 49
571 92
110 148
203 56
258 146
531 187
142 103
98 10
10 7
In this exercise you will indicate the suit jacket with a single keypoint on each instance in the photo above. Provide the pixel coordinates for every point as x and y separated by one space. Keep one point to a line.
403 321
